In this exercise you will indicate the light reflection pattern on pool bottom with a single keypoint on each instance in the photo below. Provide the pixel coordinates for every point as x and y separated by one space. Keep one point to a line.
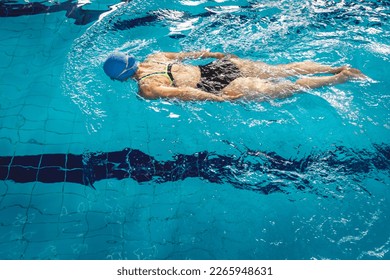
189 220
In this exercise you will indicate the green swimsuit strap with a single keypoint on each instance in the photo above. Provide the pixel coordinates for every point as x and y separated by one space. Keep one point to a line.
167 73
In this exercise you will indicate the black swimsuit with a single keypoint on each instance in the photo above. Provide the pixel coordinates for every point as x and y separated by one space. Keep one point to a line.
213 76
217 75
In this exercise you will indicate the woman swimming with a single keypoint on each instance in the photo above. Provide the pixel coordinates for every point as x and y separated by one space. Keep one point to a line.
164 75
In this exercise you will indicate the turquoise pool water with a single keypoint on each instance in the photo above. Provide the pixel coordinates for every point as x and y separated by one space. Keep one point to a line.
91 171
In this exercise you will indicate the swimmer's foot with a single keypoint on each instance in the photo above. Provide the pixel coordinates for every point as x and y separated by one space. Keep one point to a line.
336 70
353 74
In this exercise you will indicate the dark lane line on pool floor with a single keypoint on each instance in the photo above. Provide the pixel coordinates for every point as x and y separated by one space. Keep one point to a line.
85 16
73 10
86 169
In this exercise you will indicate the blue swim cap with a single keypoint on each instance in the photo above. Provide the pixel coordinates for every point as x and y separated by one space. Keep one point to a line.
120 66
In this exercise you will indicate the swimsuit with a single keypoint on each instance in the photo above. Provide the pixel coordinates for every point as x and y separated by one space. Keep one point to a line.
213 76
217 75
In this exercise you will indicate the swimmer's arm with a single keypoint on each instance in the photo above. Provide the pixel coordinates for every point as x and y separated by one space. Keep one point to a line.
191 55
182 93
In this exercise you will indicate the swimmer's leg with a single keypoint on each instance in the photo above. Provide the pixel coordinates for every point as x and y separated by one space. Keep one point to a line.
249 68
316 82
259 89
306 67
309 67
